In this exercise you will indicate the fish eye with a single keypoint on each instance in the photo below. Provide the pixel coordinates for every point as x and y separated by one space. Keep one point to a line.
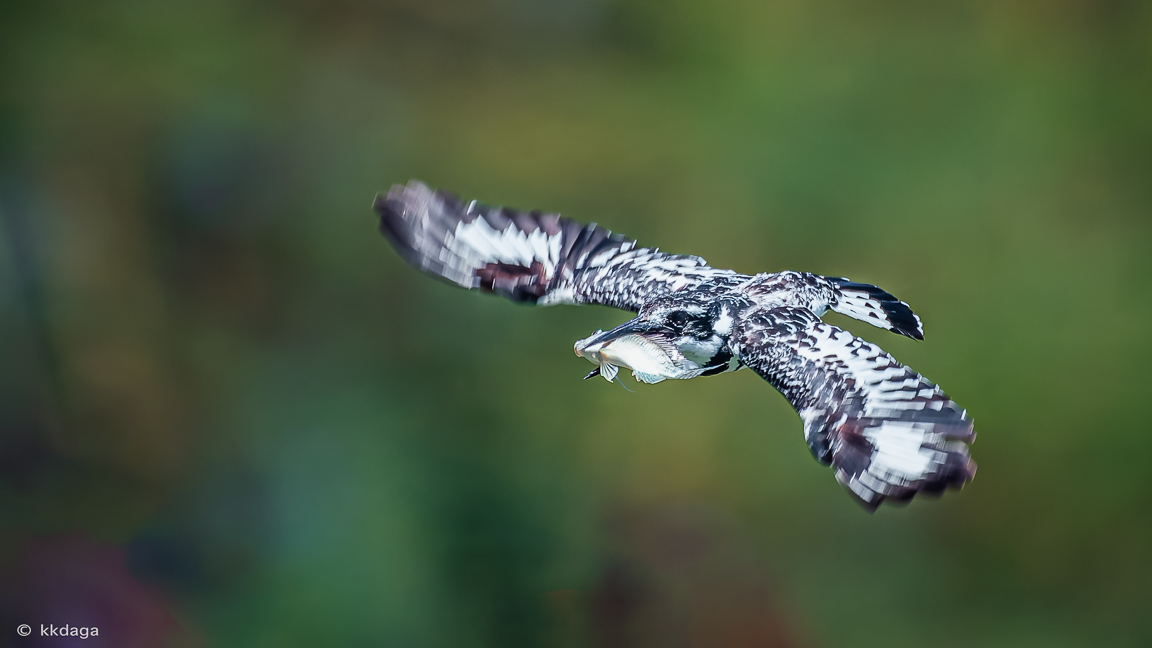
678 318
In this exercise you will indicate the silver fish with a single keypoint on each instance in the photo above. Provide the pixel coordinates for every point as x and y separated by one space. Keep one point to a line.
649 361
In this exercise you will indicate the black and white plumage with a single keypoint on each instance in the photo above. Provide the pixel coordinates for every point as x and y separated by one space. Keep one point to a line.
887 431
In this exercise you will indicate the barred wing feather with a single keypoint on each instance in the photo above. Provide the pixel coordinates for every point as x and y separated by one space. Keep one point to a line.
531 257
887 431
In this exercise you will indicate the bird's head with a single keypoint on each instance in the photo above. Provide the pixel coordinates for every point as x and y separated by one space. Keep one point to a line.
670 338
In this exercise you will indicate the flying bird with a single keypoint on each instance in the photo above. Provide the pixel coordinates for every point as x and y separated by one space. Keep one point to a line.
887 432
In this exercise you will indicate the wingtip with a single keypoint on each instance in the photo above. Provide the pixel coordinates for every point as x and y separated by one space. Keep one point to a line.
405 193
917 333
860 300
389 209
904 320
379 203
400 200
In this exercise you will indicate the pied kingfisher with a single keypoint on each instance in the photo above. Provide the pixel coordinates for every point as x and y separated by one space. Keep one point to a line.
887 431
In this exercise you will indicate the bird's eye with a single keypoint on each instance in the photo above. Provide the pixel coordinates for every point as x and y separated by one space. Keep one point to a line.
678 318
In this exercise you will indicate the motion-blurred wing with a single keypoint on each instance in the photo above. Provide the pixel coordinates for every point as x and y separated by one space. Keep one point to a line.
886 431
529 256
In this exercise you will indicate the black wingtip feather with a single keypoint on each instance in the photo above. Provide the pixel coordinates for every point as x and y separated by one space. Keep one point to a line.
902 318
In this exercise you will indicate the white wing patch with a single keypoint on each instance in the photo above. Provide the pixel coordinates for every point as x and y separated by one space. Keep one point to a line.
900 450
478 244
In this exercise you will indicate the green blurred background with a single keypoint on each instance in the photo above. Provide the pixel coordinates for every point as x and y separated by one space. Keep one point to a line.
231 416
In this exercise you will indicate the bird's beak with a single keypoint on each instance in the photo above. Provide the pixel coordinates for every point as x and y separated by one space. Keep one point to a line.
600 339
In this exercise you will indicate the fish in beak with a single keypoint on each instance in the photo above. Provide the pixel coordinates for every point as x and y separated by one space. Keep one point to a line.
632 346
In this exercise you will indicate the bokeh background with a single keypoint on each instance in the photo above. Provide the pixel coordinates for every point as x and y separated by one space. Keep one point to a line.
231 416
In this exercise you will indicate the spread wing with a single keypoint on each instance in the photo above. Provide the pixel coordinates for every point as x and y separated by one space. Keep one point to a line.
887 431
530 256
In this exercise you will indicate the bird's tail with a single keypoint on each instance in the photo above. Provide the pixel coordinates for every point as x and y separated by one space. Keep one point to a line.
876 306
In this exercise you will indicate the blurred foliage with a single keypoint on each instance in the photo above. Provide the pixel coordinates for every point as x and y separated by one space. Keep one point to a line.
223 394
